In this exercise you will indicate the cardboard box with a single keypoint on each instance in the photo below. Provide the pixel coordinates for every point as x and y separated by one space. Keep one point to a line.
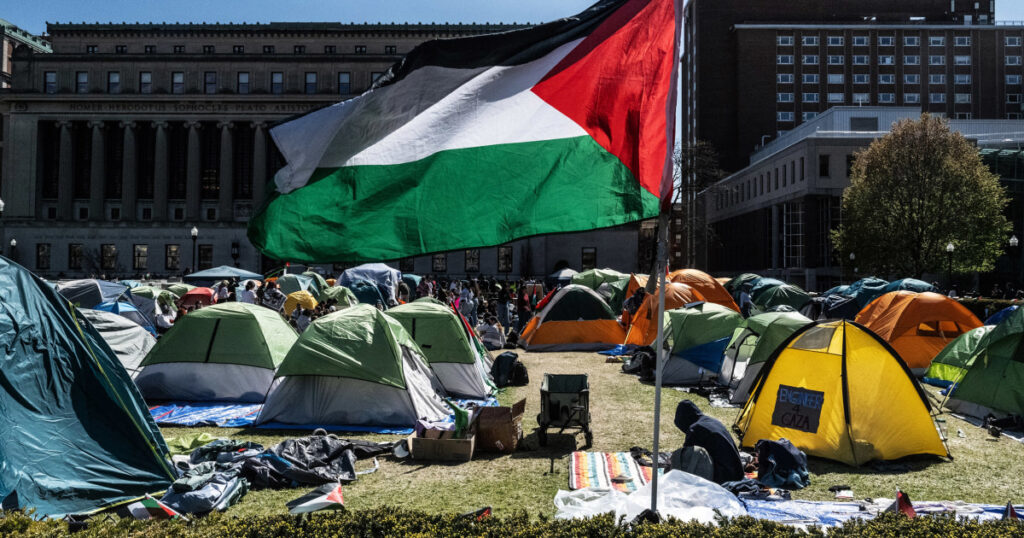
422 448
499 429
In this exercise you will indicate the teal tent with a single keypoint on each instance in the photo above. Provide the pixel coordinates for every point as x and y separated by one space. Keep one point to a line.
208 277
75 434
866 290
909 284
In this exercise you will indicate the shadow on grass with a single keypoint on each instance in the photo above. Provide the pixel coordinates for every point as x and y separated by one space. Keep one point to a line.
909 464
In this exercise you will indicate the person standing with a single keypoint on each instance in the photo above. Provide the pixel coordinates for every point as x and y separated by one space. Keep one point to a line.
248 295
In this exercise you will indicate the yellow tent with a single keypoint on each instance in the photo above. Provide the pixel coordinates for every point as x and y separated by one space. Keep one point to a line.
299 298
838 391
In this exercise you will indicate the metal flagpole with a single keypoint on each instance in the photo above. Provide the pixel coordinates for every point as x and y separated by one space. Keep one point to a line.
661 267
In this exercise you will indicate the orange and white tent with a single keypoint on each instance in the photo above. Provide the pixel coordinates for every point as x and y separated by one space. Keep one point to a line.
575 319
917 325
711 289
643 328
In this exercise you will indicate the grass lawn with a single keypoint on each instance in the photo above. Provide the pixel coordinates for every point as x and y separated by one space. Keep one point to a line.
983 469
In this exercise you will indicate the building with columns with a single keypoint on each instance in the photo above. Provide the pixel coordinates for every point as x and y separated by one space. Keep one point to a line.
127 135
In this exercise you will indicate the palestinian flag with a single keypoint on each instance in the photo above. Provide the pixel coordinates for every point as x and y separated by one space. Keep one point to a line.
473 142
150 508
903 505
1010 513
326 497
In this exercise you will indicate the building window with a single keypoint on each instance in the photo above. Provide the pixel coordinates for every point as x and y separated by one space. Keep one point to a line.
405 265
784 59
178 82
1013 98
962 41
243 82
808 116
861 99
784 78
836 78
823 166
179 49
962 98
836 97
360 49
784 40
147 213
784 97
912 59
330 49
390 49
887 79
310 82
178 213
83 213
809 78
50 82
140 257
205 257
82 82
588 258
149 49
113 82
936 98
809 97
439 263
936 59
1012 41
505 259
299 49
91 49
344 83
911 98
1013 60
108 257
472 260
809 41
936 79
1013 80
211 213
238 49
145 82
115 213
911 41
961 60
936 41
860 41
835 59
210 82
809 59
172 257
835 41
74 256
887 60
886 40
784 116
801 169
961 79
911 79
209 49
860 59
277 82
862 78
43 256
886 98
268 49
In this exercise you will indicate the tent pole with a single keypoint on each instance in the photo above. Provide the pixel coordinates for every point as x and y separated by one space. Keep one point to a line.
661 267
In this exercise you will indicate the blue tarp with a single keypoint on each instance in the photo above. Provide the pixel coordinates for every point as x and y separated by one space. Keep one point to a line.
385 277
129 312
216 274
866 290
90 292
994 319
908 284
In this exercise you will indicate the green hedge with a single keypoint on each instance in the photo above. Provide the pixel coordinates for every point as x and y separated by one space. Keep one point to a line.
392 522
979 306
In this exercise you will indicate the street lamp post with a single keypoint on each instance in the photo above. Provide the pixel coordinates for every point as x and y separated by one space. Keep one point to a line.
195 236
949 263
1014 256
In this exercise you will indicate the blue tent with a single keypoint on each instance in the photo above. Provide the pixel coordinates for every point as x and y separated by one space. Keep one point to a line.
866 290
207 277
762 285
838 290
129 312
77 434
368 292
908 284
385 277
89 292
994 319
292 283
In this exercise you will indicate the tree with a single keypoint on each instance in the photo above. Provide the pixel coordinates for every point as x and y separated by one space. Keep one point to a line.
914 191
696 168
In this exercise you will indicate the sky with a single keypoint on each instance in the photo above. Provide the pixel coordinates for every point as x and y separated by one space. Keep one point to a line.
33 15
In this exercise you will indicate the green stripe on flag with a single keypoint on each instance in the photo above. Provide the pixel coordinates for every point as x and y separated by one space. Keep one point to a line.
454 199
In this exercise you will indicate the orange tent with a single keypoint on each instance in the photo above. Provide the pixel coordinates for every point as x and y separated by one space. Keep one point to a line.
643 328
635 282
575 319
917 325
710 288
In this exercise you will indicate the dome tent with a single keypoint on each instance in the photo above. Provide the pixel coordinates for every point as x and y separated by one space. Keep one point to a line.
993 380
950 365
225 352
355 367
385 277
298 299
128 311
643 327
782 295
130 342
289 284
752 344
708 287
446 346
696 336
343 295
89 292
576 318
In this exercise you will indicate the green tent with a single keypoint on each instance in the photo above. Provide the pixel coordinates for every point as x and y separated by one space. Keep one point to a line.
224 352
696 336
448 349
609 283
75 434
343 295
180 289
163 297
577 303
318 282
785 294
355 367
290 284
994 381
734 285
430 300
950 365
751 345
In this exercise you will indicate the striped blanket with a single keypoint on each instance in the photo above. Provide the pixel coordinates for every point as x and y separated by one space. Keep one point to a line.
607 470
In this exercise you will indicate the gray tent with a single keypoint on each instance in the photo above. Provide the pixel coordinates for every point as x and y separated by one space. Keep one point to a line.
127 339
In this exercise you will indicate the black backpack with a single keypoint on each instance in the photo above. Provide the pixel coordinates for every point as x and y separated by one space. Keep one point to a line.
781 465
501 369
520 378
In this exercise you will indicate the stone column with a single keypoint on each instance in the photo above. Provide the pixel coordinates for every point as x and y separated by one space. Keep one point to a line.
193 187
226 193
98 172
259 163
160 172
129 173
65 173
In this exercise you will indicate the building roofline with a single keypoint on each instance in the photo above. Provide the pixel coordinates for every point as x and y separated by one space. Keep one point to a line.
276 27
875 25
33 41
